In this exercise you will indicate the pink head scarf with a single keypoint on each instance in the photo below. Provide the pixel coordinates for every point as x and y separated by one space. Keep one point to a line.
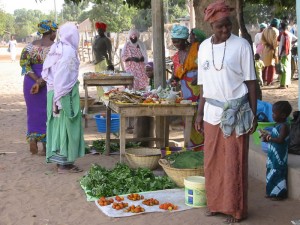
216 11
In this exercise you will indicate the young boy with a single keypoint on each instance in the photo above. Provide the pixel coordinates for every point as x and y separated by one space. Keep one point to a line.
259 66
149 73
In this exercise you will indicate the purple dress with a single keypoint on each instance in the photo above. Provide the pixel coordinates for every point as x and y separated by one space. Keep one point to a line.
32 59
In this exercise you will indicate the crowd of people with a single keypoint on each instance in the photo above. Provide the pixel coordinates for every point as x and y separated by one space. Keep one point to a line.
219 73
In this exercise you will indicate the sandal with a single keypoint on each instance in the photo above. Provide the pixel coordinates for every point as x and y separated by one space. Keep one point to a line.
231 219
209 213
68 169
276 198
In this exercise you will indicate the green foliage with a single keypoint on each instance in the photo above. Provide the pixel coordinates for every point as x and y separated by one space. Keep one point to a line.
99 146
122 180
115 14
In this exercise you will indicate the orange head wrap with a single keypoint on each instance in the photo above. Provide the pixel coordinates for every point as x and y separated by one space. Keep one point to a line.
100 25
216 11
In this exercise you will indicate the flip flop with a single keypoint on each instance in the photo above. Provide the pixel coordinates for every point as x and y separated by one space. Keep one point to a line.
231 219
73 169
209 213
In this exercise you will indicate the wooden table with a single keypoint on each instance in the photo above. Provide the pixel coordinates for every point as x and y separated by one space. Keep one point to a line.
102 80
159 111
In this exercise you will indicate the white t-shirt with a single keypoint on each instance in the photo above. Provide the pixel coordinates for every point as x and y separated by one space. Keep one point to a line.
228 83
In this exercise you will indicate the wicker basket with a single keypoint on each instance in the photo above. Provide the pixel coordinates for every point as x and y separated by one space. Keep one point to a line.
143 157
90 101
178 175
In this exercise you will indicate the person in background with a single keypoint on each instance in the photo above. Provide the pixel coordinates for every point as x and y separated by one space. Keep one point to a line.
65 141
134 56
270 51
286 40
259 66
31 61
12 45
197 35
149 72
278 140
185 71
102 48
257 39
226 114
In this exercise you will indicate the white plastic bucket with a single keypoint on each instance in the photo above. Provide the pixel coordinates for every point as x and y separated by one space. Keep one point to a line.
195 195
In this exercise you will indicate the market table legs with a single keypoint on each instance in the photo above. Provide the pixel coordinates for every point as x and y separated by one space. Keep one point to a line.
187 129
108 121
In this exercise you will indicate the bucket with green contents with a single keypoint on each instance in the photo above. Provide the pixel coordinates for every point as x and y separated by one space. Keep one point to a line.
195 195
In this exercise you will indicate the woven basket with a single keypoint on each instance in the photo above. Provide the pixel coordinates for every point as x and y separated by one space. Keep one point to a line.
178 175
143 157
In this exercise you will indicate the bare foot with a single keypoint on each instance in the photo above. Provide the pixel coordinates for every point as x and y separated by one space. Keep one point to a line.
33 147
231 219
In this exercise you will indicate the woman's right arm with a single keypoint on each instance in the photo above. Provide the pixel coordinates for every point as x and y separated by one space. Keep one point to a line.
200 113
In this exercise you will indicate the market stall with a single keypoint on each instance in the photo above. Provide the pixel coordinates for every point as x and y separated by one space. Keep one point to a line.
159 111
103 79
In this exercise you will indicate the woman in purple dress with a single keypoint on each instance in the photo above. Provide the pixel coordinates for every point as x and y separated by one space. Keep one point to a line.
31 61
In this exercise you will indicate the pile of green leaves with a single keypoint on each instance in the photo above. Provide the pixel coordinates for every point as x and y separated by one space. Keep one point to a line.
99 146
186 159
122 180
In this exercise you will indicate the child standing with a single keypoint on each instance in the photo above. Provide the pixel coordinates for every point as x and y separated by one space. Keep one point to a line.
276 180
259 66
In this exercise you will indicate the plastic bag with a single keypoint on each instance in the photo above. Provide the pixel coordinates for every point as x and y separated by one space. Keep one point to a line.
294 145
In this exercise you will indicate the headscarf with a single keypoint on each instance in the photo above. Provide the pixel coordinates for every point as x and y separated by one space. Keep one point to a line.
100 25
180 32
136 33
199 34
216 11
275 22
62 50
133 32
149 64
45 26
262 25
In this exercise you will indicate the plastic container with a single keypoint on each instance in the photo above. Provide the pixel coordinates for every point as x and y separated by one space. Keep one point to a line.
195 194
101 123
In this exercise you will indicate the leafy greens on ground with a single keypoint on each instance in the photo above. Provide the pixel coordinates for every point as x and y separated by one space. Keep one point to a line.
122 180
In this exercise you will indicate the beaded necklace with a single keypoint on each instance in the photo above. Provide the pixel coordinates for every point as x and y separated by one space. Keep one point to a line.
213 57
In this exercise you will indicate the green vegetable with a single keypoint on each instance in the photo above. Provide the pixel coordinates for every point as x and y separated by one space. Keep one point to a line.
99 146
122 180
186 159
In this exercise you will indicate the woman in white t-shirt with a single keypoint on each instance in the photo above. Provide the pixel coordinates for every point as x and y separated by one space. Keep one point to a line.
226 112
12 44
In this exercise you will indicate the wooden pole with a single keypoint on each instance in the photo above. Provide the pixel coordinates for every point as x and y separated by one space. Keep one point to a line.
298 34
158 42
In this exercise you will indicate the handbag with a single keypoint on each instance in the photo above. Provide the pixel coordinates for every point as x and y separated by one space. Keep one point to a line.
278 68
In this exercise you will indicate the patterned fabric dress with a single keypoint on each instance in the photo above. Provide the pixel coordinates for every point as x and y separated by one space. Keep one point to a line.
32 59
277 166
137 69
186 72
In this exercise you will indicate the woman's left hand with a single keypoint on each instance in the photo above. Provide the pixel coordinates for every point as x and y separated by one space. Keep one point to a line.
35 89
254 126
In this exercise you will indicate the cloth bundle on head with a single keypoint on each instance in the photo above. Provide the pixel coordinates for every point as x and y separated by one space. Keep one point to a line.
134 33
216 11
199 34
46 25
100 25
275 23
61 51
180 32
262 25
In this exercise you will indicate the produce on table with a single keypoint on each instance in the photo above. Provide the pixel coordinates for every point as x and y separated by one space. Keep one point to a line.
150 202
119 205
135 197
122 180
186 159
135 209
104 202
168 206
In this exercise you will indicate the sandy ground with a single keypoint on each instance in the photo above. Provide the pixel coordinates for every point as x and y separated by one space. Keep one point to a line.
32 193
